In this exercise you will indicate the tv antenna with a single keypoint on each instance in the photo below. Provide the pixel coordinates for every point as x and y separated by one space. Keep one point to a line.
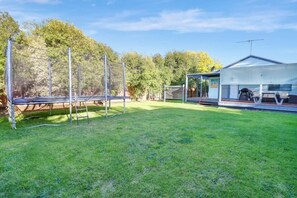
251 43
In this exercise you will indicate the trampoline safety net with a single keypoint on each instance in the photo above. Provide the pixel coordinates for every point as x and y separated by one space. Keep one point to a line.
41 72
36 74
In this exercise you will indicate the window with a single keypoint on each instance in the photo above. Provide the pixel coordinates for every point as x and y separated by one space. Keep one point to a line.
280 87
214 83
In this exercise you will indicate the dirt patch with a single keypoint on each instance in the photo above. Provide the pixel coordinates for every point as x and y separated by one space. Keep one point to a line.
3 111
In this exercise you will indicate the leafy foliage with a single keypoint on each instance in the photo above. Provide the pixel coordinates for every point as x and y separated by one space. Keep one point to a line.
146 75
143 77
9 29
181 63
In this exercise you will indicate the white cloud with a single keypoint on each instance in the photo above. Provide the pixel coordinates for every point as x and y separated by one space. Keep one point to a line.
195 20
21 15
90 32
110 2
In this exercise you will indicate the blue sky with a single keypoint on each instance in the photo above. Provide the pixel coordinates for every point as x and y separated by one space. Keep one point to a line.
159 26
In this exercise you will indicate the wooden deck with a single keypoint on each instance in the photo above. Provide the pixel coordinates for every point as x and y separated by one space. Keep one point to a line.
270 106
204 100
262 106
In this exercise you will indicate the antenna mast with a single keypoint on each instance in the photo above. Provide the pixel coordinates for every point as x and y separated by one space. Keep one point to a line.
251 43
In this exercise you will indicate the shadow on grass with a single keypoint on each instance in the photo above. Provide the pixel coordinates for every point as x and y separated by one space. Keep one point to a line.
55 116
96 113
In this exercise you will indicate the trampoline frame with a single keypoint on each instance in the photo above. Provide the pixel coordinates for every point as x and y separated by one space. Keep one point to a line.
60 99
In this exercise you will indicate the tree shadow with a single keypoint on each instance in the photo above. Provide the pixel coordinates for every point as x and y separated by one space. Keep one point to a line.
155 109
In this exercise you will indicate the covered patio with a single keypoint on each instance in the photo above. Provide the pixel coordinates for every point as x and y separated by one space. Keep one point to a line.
258 86
202 88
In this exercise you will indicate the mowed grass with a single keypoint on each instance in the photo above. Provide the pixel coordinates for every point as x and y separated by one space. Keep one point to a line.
154 150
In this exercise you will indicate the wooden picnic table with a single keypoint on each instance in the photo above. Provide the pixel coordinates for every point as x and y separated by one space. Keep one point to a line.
278 97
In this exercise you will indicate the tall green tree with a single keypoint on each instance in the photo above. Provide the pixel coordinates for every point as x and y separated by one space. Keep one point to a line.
178 64
201 62
9 28
135 71
181 63
143 77
165 72
86 52
154 78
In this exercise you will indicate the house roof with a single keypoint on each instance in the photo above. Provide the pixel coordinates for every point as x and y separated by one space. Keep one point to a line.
252 60
248 61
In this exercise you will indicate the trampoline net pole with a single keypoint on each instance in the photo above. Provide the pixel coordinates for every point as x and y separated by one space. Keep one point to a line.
183 94
164 93
110 83
124 87
105 83
201 84
187 86
70 85
49 78
79 80
10 85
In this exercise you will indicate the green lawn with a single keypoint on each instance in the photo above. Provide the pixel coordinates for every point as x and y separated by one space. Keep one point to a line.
154 150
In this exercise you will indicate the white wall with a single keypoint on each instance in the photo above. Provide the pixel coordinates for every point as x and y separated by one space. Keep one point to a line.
270 74
233 91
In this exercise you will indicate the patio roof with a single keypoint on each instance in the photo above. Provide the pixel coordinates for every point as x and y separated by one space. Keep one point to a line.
204 75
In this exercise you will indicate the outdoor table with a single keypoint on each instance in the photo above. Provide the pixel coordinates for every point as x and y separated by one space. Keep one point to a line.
277 96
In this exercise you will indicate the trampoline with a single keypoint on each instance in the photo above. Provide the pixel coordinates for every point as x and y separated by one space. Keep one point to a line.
52 100
42 75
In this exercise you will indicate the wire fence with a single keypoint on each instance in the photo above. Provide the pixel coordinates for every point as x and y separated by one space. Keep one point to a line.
176 92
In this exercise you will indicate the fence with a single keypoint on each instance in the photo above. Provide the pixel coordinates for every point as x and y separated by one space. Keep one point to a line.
174 92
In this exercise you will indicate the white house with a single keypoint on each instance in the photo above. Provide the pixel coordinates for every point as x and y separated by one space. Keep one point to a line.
252 80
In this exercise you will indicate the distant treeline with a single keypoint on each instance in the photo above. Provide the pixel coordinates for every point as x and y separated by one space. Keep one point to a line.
145 74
